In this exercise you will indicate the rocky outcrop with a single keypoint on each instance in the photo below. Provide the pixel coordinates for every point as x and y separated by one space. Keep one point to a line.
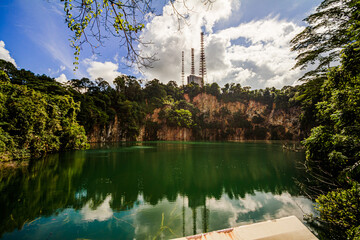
167 133
259 121
113 132
209 103
110 133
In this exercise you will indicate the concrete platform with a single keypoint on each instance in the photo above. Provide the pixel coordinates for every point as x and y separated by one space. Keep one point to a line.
287 228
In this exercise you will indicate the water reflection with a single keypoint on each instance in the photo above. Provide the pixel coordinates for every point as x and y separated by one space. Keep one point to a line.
100 213
146 190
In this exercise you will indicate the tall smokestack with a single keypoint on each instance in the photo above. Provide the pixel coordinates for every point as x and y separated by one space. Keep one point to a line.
202 59
182 69
192 62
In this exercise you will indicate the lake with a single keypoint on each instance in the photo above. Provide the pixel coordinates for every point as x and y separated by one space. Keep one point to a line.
147 190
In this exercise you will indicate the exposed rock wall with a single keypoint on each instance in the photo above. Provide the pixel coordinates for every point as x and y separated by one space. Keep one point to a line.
111 133
276 123
167 133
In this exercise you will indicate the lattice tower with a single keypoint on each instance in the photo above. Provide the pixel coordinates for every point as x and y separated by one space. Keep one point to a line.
202 59
182 69
192 62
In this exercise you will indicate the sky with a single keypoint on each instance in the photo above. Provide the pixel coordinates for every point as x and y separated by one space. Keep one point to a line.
246 41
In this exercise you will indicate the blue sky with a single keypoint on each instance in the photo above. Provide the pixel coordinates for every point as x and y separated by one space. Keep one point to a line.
246 41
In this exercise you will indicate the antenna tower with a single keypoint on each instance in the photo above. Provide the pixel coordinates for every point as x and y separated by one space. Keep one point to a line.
182 69
202 59
192 62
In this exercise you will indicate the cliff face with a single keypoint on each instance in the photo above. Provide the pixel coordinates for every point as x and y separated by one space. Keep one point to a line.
113 132
289 118
175 134
110 133
222 121
209 103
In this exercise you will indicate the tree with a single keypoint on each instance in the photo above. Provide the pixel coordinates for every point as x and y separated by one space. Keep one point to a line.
4 77
326 35
102 84
333 148
173 90
33 123
90 20
213 89
178 118
81 85
133 90
119 82
225 89
341 208
332 102
192 89
154 90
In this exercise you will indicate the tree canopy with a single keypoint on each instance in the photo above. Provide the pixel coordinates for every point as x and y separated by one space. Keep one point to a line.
93 21
33 123
333 147
327 33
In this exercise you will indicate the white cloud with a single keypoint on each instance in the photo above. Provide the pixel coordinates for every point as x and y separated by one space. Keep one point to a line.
62 79
168 41
5 54
265 51
101 213
255 53
107 70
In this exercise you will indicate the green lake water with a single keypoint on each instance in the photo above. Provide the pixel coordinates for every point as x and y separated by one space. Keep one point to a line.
151 189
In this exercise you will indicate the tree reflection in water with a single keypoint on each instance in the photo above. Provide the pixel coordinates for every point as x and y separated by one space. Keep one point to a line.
152 189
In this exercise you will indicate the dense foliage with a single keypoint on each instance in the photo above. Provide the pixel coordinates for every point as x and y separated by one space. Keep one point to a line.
333 105
341 208
34 123
333 148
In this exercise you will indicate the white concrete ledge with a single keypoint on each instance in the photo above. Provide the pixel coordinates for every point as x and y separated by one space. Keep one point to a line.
287 228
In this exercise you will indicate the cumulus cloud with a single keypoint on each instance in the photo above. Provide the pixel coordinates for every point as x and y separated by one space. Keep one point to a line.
106 70
5 54
255 53
265 52
168 41
62 79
